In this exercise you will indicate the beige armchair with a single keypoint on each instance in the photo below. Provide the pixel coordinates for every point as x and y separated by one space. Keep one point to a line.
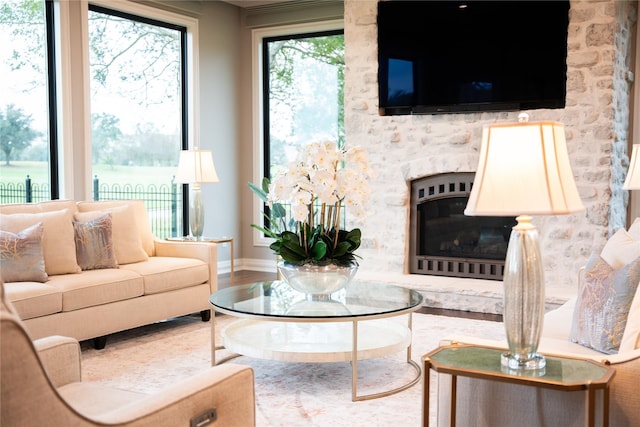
41 385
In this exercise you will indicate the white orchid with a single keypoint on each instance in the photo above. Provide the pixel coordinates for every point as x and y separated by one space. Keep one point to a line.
317 185
331 176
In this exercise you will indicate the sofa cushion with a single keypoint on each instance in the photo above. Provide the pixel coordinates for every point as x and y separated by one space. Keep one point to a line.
47 206
603 304
557 322
94 243
33 299
21 255
97 287
139 211
126 239
59 244
631 337
162 274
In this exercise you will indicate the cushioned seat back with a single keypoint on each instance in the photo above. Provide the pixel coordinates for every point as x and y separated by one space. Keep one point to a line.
141 217
27 397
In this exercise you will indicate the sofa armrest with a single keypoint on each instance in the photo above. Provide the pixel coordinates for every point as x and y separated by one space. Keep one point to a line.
61 359
204 251
228 388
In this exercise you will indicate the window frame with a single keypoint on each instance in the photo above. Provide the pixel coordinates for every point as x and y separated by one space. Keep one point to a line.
184 67
258 90
67 89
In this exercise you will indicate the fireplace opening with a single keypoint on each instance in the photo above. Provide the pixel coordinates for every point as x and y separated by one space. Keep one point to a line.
446 242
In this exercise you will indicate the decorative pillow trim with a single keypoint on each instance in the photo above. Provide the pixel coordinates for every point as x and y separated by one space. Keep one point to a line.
22 256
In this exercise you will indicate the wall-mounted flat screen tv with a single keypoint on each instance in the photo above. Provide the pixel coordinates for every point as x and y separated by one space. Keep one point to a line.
455 56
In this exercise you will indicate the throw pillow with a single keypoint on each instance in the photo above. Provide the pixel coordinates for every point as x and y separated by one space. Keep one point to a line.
139 212
126 240
94 243
631 336
603 304
58 242
621 249
634 230
21 255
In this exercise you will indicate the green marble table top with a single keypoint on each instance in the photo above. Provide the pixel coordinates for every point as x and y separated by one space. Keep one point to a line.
480 361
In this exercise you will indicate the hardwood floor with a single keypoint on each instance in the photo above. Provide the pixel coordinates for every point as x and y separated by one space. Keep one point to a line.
246 276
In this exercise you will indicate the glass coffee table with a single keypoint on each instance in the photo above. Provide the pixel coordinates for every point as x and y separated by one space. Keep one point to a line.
279 323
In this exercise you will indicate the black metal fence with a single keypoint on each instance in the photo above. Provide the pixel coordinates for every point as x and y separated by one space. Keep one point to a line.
163 202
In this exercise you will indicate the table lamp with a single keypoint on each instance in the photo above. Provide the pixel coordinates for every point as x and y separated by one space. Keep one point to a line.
523 170
196 167
632 182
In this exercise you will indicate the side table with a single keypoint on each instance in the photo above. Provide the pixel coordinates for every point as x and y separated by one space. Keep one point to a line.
561 373
217 240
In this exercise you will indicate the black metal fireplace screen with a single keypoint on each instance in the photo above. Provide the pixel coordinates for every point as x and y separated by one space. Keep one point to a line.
445 242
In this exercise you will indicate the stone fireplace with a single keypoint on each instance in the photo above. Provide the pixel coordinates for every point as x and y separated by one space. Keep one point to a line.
407 148
443 241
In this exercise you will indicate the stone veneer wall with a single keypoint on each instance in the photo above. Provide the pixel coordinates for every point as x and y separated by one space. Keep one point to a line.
402 148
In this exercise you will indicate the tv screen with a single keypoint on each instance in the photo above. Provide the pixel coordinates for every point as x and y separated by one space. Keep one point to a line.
455 56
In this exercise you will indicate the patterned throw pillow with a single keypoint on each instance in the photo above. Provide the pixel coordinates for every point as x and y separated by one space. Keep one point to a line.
126 239
602 307
94 243
21 255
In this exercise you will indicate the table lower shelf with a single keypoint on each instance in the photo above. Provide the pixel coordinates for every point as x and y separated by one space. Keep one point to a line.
315 342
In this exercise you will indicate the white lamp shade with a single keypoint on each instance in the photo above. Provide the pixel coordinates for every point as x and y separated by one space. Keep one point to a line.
196 166
632 182
523 169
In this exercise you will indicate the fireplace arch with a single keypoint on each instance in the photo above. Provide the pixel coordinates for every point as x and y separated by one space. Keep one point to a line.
444 241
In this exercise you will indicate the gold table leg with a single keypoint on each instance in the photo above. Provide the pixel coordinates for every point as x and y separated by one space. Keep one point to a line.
354 368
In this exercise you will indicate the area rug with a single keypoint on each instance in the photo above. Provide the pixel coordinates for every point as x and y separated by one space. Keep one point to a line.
150 358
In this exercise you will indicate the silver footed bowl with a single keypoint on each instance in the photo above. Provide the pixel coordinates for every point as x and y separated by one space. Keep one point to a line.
317 280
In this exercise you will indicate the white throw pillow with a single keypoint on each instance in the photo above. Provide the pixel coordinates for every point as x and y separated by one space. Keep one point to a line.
621 249
634 230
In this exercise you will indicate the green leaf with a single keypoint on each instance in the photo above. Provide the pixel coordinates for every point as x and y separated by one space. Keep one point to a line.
262 195
265 184
341 249
319 250
278 211
265 231
291 256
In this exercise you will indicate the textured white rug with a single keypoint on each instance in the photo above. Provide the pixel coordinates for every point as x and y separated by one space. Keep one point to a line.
150 358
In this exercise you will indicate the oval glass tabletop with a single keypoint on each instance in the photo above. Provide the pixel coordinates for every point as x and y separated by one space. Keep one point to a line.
276 299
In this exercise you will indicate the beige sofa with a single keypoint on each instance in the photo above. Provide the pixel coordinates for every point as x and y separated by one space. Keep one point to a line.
131 280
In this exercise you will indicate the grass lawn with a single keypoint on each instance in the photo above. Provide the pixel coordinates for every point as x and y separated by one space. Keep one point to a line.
17 172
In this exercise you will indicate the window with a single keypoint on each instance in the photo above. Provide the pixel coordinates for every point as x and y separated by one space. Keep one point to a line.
301 86
27 102
138 111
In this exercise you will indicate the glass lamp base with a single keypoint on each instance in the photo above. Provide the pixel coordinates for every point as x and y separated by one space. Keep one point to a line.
196 212
517 362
